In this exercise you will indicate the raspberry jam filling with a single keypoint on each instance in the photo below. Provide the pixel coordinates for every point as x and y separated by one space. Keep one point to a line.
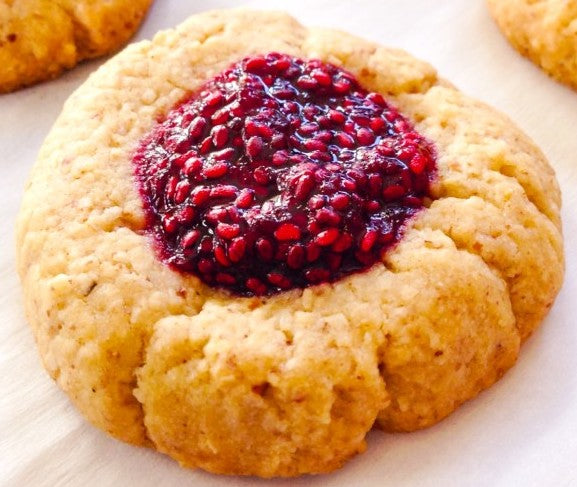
280 173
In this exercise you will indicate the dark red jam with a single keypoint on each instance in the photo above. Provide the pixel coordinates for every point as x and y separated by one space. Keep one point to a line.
280 173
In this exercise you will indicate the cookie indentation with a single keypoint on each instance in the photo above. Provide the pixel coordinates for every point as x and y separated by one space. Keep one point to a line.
280 173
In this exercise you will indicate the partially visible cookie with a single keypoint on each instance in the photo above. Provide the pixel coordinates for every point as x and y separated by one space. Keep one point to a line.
39 39
545 31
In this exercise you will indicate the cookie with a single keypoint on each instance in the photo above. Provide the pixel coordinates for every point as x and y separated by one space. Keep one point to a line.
39 39
246 248
545 31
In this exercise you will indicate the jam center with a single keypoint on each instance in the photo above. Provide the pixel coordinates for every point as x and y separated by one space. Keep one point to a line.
280 173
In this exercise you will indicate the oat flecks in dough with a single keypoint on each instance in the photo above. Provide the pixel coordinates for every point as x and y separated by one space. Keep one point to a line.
545 31
39 39
289 384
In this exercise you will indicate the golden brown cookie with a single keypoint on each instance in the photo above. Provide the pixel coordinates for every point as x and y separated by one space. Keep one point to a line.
545 31
195 340
39 39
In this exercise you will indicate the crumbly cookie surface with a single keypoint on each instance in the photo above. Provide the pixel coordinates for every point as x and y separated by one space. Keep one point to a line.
287 384
39 39
545 31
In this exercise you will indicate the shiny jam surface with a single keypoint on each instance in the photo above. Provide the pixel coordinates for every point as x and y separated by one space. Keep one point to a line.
280 173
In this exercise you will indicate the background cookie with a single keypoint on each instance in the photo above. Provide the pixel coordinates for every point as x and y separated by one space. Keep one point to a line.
41 38
545 31
292 382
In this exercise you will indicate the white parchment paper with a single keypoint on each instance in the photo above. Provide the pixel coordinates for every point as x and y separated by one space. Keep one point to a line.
522 432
